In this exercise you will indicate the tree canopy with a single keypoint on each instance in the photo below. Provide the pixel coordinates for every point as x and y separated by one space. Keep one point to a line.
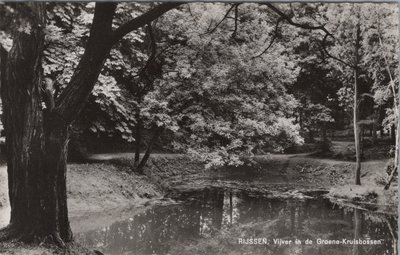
228 79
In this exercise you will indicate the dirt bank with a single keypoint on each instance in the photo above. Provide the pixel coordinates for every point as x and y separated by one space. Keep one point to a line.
103 186
277 174
297 169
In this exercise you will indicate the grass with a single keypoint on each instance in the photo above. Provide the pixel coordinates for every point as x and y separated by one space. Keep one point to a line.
355 192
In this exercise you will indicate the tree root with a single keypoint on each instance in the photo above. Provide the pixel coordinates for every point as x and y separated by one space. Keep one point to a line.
30 236
54 239
8 233
11 233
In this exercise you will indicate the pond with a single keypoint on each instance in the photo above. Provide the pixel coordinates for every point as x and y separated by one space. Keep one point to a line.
216 221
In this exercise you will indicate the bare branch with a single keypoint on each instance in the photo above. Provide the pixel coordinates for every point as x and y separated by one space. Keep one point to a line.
293 23
143 19
236 22
222 20
272 39
326 52
310 27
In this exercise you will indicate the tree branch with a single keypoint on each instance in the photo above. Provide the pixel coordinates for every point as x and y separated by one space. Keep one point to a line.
326 52
236 21
272 39
73 98
143 19
225 16
293 23
101 39
310 27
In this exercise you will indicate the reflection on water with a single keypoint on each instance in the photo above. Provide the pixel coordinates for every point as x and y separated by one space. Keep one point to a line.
211 221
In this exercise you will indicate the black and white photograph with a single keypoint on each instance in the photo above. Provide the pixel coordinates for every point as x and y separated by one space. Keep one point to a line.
199 128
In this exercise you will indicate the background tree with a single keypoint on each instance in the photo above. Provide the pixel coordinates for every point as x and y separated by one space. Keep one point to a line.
381 43
226 102
354 37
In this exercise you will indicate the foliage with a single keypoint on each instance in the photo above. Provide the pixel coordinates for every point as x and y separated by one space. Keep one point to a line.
381 43
226 102
377 55
109 112
230 80
317 115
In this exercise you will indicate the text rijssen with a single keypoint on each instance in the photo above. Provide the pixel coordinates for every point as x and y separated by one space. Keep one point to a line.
278 241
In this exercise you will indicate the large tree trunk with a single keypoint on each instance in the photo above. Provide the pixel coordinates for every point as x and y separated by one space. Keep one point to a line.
55 169
22 121
38 208
36 139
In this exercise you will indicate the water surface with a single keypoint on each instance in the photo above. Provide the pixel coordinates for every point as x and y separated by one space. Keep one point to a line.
211 221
